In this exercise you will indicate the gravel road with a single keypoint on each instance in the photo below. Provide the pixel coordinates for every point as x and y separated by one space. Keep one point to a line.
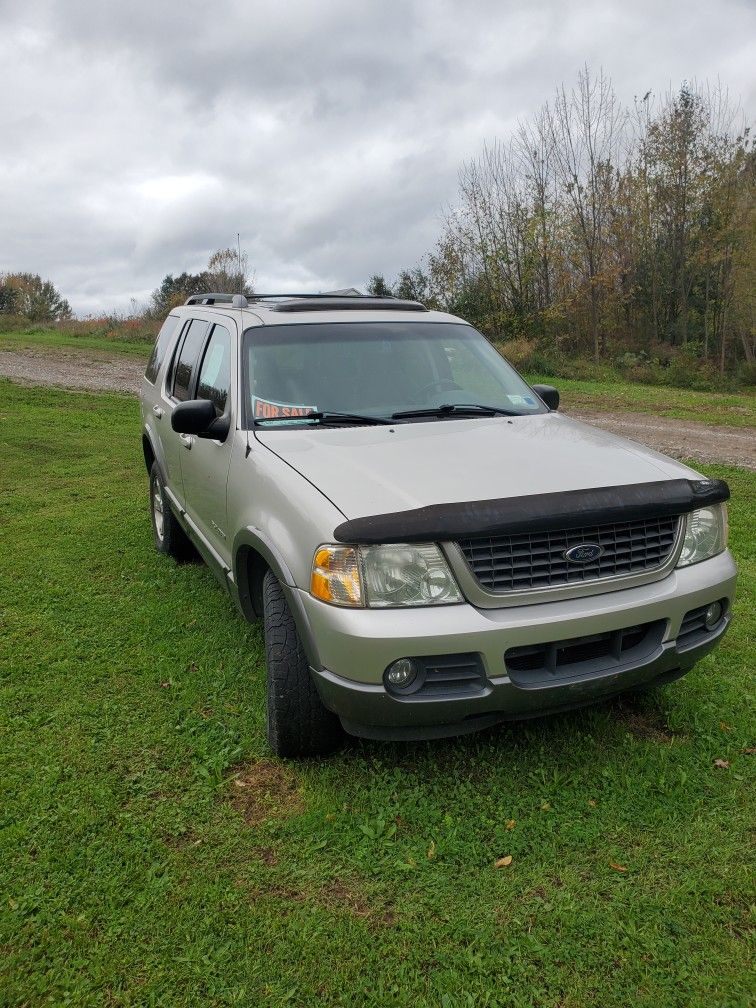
682 439
101 372
91 370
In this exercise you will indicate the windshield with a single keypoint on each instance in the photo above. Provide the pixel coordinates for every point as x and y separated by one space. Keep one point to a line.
376 369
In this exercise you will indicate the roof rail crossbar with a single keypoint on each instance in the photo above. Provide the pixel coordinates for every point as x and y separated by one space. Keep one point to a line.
329 294
335 300
329 303
234 300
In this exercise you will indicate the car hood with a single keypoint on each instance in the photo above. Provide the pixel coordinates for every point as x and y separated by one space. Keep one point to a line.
376 470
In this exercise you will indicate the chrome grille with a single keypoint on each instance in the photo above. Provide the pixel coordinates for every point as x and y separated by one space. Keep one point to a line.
511 563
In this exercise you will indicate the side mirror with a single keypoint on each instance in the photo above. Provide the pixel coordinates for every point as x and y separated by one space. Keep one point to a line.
549 394
199 416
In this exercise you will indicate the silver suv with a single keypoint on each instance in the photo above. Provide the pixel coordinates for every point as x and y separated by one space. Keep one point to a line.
431 546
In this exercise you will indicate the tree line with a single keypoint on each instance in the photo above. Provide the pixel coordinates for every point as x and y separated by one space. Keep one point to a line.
29 298
227 272
605 231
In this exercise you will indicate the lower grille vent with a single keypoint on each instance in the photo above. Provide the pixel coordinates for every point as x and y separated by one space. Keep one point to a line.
577 657
693 628
456 675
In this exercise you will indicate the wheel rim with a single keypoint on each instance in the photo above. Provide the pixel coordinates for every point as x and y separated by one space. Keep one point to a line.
158 518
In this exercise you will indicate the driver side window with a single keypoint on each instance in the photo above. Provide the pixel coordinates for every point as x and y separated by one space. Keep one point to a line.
215 371
465 368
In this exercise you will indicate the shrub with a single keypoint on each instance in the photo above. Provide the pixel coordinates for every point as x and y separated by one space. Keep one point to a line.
132 329
546 362
639 367
518 352
585 370
645 373
12 323
687 370
747 373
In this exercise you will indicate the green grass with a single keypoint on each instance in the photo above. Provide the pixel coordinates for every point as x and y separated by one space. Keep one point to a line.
726 408
66 339
132 694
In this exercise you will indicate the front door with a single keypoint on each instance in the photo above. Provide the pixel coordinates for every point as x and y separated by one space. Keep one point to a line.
205 463
177 388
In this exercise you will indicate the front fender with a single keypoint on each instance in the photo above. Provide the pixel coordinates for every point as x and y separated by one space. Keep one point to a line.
250 547
255 539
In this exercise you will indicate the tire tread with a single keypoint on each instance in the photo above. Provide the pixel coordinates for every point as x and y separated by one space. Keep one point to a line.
299 725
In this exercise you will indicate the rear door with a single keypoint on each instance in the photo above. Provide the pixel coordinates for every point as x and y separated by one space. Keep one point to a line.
156 407
205 463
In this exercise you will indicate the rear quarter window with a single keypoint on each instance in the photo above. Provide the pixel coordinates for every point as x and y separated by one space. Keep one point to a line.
160 349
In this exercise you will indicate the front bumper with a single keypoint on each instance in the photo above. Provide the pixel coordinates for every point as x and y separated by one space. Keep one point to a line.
349 650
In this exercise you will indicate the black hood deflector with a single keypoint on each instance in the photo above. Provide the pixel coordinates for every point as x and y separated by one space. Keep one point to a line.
534 513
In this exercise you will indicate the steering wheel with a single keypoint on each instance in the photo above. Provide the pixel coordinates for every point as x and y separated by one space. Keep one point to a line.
441 384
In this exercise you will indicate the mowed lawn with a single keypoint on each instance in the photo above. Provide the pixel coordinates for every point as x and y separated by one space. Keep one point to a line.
727 409
153 853
38 339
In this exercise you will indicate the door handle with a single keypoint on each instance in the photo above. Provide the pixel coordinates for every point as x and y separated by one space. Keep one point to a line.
187 440
157 411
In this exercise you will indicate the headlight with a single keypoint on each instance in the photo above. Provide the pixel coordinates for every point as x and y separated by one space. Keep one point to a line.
407 575
705 534
383 576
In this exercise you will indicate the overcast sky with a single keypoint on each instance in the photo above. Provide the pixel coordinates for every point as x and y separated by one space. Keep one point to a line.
138 136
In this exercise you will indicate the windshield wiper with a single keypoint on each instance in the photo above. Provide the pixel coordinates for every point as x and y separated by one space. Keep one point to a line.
452 409
328 416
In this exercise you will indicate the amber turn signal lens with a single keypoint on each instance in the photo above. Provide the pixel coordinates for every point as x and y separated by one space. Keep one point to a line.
335 576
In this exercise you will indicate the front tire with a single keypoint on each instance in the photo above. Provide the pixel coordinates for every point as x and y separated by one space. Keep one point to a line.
298 724
169 537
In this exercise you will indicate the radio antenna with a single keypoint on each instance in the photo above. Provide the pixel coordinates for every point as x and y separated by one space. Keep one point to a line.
241 317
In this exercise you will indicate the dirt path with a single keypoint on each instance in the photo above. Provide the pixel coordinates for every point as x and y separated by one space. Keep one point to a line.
90 370
684 439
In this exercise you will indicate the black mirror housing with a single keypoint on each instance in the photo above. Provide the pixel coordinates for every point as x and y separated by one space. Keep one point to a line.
199 416
193 417
549 394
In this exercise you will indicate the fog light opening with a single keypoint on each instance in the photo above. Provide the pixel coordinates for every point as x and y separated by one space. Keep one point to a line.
713 615
400 676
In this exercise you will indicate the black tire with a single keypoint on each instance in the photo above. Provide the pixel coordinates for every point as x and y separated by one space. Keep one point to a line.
298 723
169 537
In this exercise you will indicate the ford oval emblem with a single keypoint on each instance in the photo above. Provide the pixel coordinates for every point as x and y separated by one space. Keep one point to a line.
583 553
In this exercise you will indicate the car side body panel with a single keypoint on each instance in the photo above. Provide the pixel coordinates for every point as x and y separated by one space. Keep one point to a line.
268 496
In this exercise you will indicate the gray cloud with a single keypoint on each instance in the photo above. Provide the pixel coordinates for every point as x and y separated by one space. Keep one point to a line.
137 138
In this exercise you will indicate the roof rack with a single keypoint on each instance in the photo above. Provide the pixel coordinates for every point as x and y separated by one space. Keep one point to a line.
330 301
234 300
